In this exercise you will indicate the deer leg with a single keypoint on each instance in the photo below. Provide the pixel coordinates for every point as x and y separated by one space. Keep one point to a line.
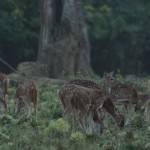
16 108
75 114
29 106
90 123
35 108
86 121
5 103
129 109
3 106
147 111
98 128
66 113
29 110
81 120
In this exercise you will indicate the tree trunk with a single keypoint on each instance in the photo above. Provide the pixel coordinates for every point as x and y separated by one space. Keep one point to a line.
61 38
85 61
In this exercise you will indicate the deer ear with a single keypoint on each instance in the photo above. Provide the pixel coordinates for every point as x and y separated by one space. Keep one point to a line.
111 73
105 74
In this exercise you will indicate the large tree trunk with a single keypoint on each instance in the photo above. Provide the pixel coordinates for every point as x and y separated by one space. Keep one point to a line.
85 61
63 38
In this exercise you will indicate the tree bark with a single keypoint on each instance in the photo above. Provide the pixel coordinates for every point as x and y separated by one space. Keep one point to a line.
63 43
85 60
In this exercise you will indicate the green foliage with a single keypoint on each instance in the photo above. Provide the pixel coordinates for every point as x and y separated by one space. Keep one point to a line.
58 127
118 34
19 30
118 31
50 131
137 121
77 136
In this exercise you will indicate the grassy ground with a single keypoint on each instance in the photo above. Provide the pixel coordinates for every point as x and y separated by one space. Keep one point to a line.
49 131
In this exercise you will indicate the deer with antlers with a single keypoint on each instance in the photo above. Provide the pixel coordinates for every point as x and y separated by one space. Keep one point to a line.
26 95
4 84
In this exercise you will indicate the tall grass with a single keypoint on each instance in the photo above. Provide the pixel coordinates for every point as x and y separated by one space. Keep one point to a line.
50 131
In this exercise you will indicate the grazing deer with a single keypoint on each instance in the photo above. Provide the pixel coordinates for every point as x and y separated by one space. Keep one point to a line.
112 111
109 81
76 100
86 84
84 103
68 91
120 93
26 94
4 83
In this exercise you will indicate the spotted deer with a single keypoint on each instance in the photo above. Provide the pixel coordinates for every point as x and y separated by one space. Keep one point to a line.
91 84
120 93
26 94
4 84
85 103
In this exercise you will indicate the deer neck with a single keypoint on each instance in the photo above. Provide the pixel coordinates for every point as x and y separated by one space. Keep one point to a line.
148 92
106 90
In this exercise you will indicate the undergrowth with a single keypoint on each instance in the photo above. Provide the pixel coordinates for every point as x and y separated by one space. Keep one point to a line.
50 131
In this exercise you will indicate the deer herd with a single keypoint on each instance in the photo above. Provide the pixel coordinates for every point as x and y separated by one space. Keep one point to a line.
25 94
89 103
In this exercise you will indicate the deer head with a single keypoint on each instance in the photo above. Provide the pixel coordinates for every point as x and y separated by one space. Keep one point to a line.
108 82
110 108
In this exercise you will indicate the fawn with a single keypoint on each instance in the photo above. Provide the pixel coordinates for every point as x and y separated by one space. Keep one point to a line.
26 94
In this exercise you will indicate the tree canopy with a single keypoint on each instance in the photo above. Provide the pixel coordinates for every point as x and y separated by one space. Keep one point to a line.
118 31
19 31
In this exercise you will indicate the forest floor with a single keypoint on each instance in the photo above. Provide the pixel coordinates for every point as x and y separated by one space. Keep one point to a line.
49 131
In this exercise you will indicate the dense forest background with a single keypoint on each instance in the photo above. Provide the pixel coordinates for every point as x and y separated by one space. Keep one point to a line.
119 34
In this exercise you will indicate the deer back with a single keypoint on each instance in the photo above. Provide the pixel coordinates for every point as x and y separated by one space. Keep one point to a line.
85 83
27 89
124 93
72 91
